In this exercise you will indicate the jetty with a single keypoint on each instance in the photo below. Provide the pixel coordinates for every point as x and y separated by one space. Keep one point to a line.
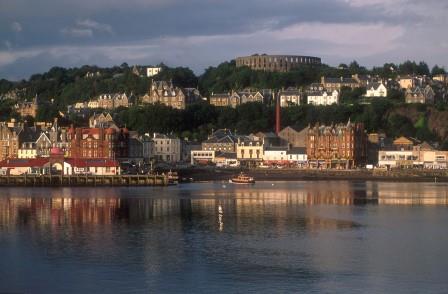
83 180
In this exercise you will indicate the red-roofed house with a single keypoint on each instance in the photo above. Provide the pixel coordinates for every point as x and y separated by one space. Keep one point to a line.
15 167
94 166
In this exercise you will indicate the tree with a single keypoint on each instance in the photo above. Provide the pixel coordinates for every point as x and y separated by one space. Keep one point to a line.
436 70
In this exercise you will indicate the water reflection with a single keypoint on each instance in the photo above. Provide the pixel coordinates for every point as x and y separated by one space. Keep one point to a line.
270 237
105 206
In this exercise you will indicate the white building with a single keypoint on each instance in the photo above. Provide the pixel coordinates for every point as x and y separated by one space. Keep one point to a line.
98 167
202 156
166 148
277 155
290 97
376 90
93 104
152 71
323 98
298 156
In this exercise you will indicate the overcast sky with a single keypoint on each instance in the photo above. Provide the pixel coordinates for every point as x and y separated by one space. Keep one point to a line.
36 35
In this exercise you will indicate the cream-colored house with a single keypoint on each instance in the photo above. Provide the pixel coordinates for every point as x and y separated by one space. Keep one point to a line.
323 98
376 90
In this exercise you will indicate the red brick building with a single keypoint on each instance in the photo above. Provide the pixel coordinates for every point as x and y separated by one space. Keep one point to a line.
98 143
336 146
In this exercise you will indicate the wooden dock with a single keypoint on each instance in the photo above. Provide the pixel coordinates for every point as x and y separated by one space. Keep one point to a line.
83 180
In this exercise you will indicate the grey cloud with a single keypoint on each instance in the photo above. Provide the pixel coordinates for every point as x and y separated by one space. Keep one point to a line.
16 27
166 30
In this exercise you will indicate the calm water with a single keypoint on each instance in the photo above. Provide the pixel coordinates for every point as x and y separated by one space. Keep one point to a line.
331 237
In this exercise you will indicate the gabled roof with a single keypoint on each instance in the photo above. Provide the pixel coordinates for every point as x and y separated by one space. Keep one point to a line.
29 134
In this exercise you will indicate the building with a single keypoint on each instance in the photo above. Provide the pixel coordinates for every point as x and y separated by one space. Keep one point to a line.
297 156
70 166
276 63
17 167
290 97
33 143
112 101
249 152
166 148
222 100
187 147
332 84
277 155
27 108
407 82
152 71
221 140
294 137
410 153
202 157
102 121
226 159
148 147
376 90
166 93
98 143
97 167
420 95
442 78
323 98
9 139
235 98
336 146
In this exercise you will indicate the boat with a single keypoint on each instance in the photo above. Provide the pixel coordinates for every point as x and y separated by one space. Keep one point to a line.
173 178
242 179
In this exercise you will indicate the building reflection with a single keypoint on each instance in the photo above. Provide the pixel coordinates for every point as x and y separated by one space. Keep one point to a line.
219 204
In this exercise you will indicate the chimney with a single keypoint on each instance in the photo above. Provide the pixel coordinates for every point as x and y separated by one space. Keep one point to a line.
277 115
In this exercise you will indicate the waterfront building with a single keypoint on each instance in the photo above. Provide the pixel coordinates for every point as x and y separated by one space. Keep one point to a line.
290 97
148 147
16 167
410 153
323 98
336 146
70 166
226 159
297 156
221 140
249 151
275 155
97 167
166 147
294 137
166 93
98 143
276 63
420 95
202 157
9 139
33 143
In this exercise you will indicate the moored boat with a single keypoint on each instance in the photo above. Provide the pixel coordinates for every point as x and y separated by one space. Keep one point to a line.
242 179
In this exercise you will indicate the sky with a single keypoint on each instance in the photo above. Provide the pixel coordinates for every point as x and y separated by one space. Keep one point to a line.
36 35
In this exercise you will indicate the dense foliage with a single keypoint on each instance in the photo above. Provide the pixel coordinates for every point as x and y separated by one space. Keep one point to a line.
60 87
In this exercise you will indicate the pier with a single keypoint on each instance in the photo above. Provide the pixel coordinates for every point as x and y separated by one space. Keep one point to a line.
83 180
